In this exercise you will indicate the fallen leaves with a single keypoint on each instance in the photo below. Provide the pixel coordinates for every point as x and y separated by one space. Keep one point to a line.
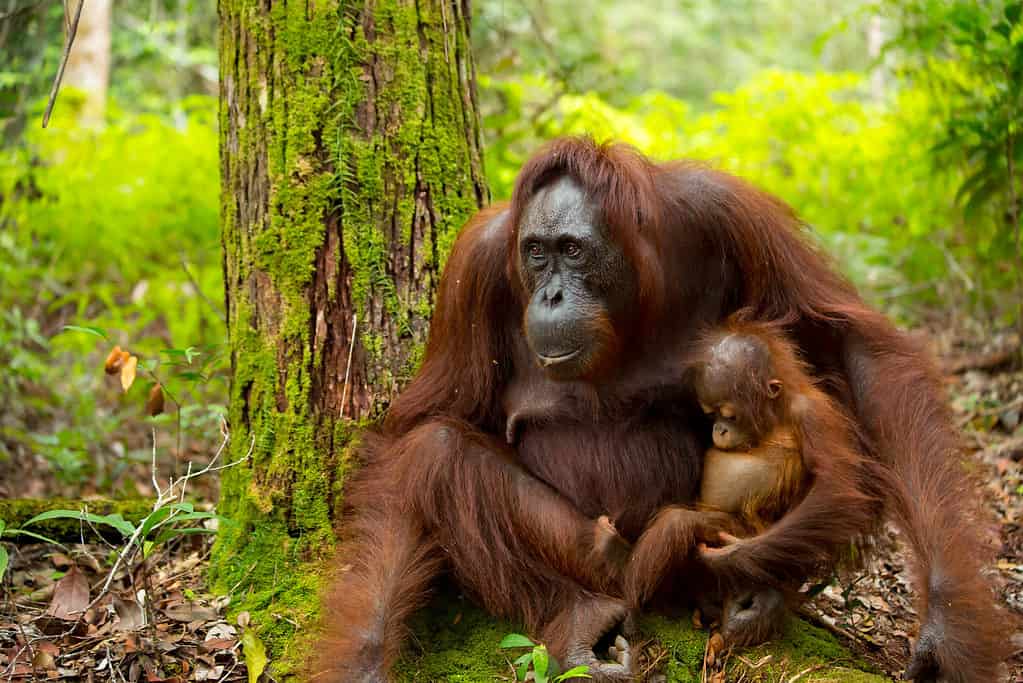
115 640
70 597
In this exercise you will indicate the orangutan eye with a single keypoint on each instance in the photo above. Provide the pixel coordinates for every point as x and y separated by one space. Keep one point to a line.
535 250
572 250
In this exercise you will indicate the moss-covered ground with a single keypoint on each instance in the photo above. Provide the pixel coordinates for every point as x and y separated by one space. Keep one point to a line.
456 642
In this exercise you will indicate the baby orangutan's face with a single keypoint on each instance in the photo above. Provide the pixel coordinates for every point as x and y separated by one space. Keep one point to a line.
727 434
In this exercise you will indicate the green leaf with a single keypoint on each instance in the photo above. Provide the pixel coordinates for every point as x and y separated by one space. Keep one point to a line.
522 666
154 518
515 640
541 663
115 520
38 537
3 561
186 516
192 376
255 654
576 672
173 532
1013 11
87 329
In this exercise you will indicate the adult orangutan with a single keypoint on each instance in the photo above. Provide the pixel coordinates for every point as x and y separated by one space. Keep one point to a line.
551 394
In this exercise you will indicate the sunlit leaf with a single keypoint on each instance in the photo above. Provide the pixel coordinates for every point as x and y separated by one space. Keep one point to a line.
3 561
128 372
574 672
515 640
522 666
541 663
255 654
87 329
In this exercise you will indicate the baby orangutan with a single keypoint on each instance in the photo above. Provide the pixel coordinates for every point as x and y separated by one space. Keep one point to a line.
783 454
755 470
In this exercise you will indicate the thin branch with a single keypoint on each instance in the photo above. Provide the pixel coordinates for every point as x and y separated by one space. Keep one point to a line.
198 290
164 498
68 41
348 367
152 469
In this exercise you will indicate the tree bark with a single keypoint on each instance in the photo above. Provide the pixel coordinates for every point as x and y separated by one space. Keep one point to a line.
350 153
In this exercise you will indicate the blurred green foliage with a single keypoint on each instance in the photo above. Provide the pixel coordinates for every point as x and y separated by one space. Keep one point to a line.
904 161
910 191
969 57
117 228
688 48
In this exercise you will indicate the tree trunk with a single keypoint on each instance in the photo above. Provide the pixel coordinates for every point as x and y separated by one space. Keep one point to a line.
88 65
350 153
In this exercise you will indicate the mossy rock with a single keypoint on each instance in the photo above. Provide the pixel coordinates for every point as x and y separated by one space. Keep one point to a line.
456 642
16 511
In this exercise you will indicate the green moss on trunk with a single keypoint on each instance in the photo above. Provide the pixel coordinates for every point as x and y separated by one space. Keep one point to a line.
350 156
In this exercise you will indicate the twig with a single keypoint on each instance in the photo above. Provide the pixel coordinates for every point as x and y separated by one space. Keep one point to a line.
165 497
244 576
348 366
68 41
198 290
809 669
954 266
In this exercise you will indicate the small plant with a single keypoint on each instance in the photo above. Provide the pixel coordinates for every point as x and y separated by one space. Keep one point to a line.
4 531
538 661
171 515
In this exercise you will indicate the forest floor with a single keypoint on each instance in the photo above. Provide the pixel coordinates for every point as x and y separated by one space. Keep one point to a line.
156 620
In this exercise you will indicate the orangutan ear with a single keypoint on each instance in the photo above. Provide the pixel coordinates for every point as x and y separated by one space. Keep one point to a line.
774 388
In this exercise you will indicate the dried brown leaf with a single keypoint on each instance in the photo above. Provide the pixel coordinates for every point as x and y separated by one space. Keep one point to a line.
154 404
114 361
60 560
70 597
219 644
43 660
130 615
